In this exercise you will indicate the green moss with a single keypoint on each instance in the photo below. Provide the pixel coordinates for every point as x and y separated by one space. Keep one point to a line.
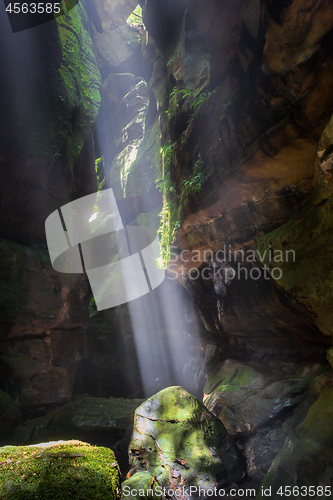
230 378
62 470
80 75
67 101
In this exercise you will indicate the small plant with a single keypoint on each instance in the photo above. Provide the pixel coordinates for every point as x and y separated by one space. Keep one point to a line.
167 230
195 97
99 169
194 184
169 216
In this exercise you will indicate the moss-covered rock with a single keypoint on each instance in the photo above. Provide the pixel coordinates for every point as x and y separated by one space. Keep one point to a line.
58 470
179 442
80 76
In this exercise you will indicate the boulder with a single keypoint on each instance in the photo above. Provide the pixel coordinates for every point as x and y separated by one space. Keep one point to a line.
180 444
58 470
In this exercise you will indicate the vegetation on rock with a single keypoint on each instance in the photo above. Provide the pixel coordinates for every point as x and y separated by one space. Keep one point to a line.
58 471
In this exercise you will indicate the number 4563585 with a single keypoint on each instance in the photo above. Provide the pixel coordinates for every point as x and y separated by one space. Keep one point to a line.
33 8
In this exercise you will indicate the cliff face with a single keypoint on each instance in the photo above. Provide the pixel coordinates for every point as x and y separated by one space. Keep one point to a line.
227 105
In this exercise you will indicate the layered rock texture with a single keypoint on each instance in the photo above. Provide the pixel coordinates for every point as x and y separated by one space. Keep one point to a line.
212 123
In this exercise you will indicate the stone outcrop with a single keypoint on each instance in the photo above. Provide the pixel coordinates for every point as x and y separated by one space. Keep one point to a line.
41 311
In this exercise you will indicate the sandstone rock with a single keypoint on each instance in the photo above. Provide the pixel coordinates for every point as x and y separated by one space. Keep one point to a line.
261 449
127 135
322 179
308 233
60 469
43 320
296 37
116 47
180 443
116 86
306 459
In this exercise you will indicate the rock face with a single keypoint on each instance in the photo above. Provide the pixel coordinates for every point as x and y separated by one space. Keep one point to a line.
9 415
260 406
58 470
307 454
41 310
307 233
107 422
179 443
49 102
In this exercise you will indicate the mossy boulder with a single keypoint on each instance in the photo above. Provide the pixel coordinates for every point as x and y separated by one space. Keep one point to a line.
180 443
58 470
306 459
